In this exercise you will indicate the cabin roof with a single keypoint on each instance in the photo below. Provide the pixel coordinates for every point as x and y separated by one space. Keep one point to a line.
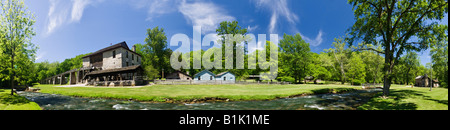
118 45
223 73
203 72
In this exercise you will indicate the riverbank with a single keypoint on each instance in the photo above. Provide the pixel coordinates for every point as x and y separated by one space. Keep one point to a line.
401 98
15 102
198 93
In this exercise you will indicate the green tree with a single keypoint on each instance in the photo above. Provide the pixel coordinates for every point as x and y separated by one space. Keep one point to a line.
340 56
296 56
356 69
373 62
150 71
398 26
439 57
318 67
17 28
410 61
235 30
155 51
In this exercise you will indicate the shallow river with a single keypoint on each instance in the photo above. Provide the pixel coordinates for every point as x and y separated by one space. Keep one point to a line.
346 101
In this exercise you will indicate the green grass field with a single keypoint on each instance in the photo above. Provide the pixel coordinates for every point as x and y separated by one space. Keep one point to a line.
406 98
401 98
160 93
15 102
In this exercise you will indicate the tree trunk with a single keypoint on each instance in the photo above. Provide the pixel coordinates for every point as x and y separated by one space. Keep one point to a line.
13 73
387 70
406 76
386 86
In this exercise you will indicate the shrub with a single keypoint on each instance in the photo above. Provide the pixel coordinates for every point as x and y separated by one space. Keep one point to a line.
286 79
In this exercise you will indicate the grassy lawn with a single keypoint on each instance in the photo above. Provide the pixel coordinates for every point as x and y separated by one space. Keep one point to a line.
406 98
15 102
401 98
160 93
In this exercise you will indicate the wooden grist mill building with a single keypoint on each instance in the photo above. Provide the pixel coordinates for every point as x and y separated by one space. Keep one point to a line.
115 65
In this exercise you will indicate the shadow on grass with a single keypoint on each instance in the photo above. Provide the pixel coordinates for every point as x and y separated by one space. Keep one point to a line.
13 99
394 101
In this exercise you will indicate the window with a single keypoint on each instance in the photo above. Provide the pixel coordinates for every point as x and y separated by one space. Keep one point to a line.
211 77
114 54
126 53
127 64
199 78
224 78
137 58
132 56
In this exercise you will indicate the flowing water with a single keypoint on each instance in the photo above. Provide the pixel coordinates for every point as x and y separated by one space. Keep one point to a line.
346 101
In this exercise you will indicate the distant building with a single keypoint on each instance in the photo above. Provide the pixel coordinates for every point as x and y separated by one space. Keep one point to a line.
226 77
113 57
115 65
207 76
178 75
204 75
425 81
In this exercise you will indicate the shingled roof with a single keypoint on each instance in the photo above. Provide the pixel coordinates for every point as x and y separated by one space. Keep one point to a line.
121 44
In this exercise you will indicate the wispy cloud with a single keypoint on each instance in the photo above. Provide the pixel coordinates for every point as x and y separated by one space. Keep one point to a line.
62 12
314 42
251 29
57 15
156 8
205 14
78 8
40 55
279 9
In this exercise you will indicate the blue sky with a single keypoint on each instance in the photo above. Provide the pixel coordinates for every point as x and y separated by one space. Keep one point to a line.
66 28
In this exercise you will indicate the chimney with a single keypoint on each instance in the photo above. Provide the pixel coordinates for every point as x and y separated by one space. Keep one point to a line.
133 48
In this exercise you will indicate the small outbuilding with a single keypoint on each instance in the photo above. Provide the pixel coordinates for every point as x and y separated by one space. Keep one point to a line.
207 76
227 77
425 81
204 75
178 75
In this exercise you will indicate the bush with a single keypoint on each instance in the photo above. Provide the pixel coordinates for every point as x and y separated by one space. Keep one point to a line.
358 82
286 79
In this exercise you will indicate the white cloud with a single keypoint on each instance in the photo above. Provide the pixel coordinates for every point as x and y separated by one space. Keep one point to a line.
314 42
207 15
78 8
40 55
198 13
57 15
278 8
251 29
63 12
156 7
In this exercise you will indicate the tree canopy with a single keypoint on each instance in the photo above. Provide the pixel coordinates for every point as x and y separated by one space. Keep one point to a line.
398 26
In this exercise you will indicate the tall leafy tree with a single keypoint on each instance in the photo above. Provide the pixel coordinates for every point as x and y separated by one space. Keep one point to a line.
155 50
398 26
439 57
340 56
296 56
356 69
410 61
234 29
17 25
